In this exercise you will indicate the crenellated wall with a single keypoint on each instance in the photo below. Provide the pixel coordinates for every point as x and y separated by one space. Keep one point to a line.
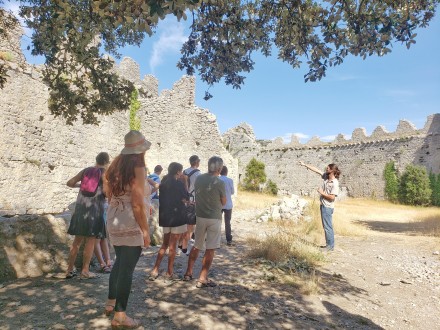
361 159
39 153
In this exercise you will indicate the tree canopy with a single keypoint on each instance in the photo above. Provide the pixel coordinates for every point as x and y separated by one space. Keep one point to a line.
224 37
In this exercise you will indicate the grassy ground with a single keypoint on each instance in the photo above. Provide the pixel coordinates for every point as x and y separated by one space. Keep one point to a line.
291 250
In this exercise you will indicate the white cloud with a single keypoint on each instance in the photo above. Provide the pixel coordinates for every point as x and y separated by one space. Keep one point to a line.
170 41
288 137
328 138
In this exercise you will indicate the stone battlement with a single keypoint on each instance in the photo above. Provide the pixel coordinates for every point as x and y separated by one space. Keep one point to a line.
405 129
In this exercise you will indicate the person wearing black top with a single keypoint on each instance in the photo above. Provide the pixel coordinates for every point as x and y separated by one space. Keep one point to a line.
172 200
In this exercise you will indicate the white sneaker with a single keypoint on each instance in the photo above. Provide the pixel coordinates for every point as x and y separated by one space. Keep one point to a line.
178 252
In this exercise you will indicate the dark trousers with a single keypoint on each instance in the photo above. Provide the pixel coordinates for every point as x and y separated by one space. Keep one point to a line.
228 216
122 275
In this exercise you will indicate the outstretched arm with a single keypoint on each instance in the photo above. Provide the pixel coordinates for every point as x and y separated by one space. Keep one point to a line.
311 168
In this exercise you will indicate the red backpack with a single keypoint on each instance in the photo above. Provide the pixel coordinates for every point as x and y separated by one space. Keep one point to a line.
90 181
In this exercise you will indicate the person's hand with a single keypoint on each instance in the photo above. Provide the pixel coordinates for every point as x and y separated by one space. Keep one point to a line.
320 191
301 163
147 240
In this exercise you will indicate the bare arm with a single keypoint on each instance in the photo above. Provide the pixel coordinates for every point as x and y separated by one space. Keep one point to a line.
153 184
223 200
329 197
311 168
73 182
137 202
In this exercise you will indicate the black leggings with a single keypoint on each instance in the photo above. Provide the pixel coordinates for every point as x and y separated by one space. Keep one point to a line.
122 275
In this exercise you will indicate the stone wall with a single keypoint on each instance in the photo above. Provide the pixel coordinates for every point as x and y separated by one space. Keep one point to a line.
361 159
39 153
29 253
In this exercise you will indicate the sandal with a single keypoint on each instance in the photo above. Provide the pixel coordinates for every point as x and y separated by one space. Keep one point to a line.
71 274
153 277
121 324
109 309
106 269
172 278
89 276
209 284
187 278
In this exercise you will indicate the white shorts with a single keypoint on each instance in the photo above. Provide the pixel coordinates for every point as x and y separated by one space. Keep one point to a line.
174 230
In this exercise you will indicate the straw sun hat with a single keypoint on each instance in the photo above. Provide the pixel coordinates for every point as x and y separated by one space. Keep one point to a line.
135 143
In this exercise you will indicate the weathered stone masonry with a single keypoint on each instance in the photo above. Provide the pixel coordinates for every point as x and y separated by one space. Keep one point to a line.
39 153
362 159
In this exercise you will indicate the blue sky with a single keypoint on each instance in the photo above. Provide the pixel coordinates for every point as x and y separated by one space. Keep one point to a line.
276 102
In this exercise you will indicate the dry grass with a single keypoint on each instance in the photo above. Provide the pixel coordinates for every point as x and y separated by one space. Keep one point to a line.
252 200
384 216
291 248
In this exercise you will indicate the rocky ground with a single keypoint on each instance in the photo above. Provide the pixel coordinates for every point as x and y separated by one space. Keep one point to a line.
387 279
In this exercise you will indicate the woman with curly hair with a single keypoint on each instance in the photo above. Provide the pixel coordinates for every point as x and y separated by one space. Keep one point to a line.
127 226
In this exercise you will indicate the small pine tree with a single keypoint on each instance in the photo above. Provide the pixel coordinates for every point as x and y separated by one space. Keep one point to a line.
414 186
271 187
135 122
391 182
254 175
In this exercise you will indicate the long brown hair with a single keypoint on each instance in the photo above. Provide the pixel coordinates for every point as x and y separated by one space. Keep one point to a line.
120 174
335 169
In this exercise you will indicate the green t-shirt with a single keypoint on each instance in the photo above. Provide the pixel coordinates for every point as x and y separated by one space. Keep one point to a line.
209 189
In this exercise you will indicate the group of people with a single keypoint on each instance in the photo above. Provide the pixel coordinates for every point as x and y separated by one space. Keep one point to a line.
123 184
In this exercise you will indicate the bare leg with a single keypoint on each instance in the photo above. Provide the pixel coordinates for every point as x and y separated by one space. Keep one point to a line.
87 255
161 253
74 252
206 264
106 251
98 252
172 252
191 261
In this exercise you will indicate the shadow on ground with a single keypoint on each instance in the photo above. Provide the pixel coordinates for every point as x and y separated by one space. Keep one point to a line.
242 300
429 226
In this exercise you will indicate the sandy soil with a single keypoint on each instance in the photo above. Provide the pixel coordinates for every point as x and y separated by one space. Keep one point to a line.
389 279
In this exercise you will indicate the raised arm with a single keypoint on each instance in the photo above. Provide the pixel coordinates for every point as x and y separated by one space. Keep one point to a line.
311 168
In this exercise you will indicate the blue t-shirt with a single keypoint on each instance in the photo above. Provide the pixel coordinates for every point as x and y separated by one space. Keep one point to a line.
156 179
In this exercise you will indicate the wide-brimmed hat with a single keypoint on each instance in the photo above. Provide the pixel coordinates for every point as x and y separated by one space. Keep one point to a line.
135 143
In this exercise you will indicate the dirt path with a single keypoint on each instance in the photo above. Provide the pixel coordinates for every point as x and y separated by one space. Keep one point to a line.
388 280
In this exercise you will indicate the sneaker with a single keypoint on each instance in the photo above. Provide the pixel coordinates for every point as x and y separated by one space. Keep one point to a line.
178 252
191 241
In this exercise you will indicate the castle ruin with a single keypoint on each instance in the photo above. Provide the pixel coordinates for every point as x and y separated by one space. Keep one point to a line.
361 159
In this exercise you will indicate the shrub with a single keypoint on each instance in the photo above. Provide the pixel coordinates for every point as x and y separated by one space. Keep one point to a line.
254 175
271 187
434 182
391 182
414 186
135 122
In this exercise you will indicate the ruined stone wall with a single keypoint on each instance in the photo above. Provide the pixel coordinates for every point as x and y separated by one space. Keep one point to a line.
39 153
361 159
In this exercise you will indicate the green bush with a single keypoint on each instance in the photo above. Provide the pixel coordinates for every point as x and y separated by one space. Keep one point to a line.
414 187
135 122
434 183
254 175
391 182
271 187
